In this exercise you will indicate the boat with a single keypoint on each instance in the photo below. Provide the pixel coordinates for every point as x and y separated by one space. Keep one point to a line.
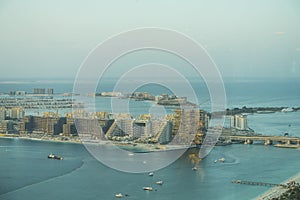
120 195
151 174
52 156
194 169
222 159
159 182
215 161
287 110
148 188
265 111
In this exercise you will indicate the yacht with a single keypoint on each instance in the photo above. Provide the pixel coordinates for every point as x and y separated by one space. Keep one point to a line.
120 195
151 174
159 182
52 156
148 188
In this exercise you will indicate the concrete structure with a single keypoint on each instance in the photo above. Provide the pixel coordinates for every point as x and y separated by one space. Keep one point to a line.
7 126
166 134
186 125
39 91
50 91
268 140
2 113
16 113
44 125
239 122
20 93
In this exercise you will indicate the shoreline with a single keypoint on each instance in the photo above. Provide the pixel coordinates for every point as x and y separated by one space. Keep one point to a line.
277 191
144 148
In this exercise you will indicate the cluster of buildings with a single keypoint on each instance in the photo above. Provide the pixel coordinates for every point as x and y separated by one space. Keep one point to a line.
180 127
43 91
163 99
36 91
144 129
8 116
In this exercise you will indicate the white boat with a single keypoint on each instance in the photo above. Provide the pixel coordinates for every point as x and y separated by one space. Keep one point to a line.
120 195
215 161
148 188
222 159
194 169
151 174
287 110
159 182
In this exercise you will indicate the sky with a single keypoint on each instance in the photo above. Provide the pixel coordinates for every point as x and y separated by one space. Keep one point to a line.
51 38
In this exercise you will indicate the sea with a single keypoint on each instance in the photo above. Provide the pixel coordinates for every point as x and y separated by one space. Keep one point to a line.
26 173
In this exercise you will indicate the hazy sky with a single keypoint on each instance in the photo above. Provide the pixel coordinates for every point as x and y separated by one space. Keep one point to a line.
245 38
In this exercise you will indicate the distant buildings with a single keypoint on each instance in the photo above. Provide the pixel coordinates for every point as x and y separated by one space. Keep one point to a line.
43 125
39 91
7 126
145 129
43 91
12 113
2 113
16 113
239 122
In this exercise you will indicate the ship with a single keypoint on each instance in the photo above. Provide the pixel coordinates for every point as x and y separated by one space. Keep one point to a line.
52 156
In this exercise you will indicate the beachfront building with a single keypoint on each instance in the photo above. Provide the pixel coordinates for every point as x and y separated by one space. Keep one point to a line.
239 122
16 113
42 125
2 113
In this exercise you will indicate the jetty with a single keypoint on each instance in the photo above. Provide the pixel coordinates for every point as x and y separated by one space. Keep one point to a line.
259 183
277 191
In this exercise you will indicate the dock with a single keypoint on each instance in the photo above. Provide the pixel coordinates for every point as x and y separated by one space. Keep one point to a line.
259 183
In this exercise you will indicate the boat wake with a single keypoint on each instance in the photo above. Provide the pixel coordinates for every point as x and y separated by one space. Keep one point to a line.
42 181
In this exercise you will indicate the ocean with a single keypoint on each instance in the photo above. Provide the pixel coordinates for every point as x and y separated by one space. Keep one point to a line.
26 173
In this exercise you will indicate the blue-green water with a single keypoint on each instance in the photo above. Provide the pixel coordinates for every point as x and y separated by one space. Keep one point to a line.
26 173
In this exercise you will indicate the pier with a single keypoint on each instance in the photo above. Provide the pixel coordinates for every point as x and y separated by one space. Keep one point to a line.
258 183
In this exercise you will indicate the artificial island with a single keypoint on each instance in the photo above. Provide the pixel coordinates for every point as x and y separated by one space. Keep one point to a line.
186 125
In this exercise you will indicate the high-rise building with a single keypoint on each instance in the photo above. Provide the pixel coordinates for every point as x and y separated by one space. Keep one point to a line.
2 113
186 125
239 122
50 91
166 134
7 126
46 125
16 113
39 91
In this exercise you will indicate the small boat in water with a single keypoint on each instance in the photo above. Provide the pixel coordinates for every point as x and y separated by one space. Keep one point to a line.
151 174
52 156
194 169
159 182
222 159
120 195
148 188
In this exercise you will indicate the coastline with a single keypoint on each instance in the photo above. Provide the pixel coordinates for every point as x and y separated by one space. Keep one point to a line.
275 192
141 148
